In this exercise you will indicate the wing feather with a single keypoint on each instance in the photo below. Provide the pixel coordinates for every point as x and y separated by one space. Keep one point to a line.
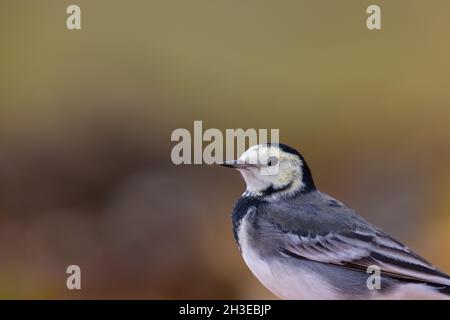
358 250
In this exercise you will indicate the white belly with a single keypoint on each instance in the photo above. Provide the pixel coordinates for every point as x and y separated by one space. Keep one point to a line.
284 280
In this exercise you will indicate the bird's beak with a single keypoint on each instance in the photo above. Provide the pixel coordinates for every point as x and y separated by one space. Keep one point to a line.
235 164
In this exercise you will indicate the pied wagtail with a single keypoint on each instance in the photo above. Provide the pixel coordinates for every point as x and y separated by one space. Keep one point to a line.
303 244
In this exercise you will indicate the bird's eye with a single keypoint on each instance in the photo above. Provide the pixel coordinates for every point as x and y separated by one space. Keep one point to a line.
272 161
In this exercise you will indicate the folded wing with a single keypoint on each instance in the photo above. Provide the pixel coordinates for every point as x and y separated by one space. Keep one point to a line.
360 249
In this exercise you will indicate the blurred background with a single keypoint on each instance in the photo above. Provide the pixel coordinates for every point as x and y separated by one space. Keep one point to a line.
86 118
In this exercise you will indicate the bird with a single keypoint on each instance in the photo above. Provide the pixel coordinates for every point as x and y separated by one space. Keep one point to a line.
301 243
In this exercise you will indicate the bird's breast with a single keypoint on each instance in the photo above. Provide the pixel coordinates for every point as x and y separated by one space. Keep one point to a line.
283 276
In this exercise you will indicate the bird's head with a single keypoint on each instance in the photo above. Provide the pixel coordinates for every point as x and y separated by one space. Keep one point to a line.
273 170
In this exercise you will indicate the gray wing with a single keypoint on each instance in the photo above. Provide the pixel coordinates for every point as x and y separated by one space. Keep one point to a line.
327 231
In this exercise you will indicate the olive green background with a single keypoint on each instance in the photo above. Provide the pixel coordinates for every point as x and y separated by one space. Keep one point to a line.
86 117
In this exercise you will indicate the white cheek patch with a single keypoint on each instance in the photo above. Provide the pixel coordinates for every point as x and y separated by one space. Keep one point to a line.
270 171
